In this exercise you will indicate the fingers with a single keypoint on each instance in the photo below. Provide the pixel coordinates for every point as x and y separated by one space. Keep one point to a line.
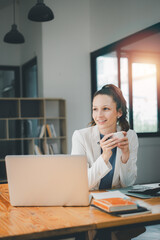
123 143
106 137
109 143
124 133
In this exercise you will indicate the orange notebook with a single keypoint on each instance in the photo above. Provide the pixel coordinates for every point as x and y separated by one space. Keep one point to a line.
114 204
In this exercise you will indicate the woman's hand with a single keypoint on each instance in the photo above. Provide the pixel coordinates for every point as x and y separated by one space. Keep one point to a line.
107 143
124 146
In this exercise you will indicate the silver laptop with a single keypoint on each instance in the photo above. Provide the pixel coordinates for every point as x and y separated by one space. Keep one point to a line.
47 180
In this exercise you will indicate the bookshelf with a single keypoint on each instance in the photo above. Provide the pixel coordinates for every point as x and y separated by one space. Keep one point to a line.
23 128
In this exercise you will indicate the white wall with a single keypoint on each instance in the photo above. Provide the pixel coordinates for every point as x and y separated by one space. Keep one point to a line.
66 69
32 32
148 160
112 20
9 53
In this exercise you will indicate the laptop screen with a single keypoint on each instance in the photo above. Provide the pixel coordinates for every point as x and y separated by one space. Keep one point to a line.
47 180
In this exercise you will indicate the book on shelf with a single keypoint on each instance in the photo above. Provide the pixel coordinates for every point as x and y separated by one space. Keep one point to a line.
51 130
49 133
114 204
45 147
51 150
37 150
54 147
42 131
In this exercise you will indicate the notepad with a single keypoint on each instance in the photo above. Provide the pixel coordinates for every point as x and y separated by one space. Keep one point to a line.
139 211
109 194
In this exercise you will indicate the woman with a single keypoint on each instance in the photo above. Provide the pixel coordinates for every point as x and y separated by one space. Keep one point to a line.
111 160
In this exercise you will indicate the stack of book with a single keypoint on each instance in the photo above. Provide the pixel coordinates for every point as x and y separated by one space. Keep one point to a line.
119 206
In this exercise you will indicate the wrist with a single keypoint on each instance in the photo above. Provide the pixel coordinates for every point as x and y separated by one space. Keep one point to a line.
106 156
125 157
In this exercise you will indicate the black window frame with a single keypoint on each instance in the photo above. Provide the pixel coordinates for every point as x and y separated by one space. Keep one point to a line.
25 67
115 47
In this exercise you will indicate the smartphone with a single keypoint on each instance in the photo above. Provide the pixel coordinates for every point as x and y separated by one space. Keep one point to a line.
118 134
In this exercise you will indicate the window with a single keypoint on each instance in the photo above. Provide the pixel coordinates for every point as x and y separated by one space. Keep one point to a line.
133 64
30 79
9 81
13 85
144 101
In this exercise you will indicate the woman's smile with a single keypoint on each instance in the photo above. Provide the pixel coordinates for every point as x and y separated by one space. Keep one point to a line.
101 122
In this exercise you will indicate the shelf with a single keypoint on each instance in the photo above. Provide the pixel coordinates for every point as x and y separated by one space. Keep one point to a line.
3 129
32 108
56 109
9 108
21 123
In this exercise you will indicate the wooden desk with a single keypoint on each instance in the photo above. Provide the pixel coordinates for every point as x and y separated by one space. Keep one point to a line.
42 222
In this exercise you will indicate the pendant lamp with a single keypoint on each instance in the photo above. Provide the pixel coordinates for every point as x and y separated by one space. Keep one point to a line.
40 12
14 36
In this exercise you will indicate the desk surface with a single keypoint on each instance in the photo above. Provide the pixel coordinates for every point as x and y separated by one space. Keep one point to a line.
38 222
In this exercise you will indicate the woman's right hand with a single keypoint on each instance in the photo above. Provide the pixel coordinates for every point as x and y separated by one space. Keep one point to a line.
107 143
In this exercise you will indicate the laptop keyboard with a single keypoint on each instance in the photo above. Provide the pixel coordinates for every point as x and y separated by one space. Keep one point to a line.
144 189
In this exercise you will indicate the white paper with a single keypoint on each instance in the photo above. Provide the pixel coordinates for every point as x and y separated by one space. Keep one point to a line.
109 194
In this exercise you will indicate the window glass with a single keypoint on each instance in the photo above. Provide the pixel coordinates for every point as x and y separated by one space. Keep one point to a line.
107 70
144 85
7 83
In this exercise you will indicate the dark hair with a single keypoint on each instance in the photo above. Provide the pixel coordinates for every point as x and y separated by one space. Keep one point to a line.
116 94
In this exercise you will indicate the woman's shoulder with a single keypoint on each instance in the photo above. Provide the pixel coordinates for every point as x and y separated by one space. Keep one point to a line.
132 135
86 130
131 132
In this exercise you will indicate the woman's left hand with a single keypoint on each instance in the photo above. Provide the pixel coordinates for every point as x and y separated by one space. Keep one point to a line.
124 146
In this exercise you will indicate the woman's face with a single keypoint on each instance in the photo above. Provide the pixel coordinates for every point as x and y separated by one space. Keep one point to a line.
105 113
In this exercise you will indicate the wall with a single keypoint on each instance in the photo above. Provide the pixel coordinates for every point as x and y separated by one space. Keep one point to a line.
66 69
9 53
112 20
32 47
148 160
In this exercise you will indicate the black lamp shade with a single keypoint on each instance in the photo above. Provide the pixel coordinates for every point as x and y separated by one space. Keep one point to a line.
14 36
40 13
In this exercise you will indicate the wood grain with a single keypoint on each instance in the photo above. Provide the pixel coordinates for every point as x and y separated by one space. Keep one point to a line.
40 222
